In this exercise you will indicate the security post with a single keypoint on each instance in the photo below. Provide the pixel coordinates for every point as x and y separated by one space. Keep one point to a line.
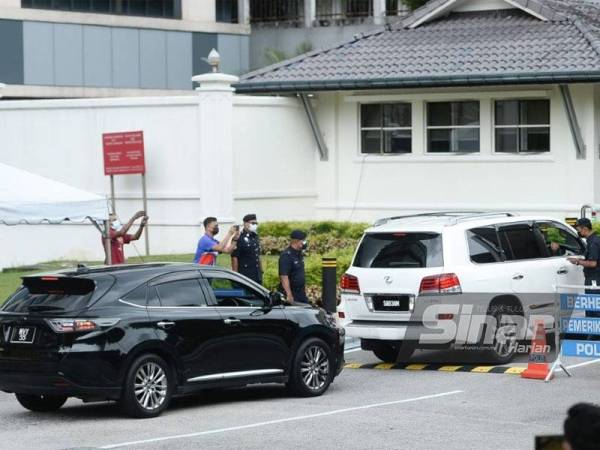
329 286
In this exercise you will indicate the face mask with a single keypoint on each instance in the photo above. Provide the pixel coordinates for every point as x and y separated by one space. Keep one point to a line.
305 245
253 227
116 225
216 230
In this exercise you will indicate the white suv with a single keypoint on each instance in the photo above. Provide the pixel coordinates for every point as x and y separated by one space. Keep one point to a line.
471 280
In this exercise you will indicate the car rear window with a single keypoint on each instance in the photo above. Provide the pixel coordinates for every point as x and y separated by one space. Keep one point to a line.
57 294
400 250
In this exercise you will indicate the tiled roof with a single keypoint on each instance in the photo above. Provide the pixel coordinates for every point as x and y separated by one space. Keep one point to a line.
468 48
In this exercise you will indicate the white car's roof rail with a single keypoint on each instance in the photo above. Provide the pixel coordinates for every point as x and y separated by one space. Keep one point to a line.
487 215
457 216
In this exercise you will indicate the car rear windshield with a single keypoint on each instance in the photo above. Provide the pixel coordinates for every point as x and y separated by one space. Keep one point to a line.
400 250
57 294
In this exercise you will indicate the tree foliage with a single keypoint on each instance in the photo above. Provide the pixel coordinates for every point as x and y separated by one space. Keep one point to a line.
413 4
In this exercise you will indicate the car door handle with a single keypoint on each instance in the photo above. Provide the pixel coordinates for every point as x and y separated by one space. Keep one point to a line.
165 325
562 271
518 277
232 321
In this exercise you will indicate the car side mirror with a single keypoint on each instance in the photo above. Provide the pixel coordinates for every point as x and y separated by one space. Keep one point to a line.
275 298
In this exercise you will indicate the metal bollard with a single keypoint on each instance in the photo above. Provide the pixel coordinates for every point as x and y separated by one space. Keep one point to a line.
329 284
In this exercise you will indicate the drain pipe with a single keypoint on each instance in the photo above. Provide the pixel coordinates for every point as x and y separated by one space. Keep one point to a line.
314 125
573 123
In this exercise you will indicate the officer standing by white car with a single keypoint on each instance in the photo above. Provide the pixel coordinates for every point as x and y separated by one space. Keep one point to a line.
591 259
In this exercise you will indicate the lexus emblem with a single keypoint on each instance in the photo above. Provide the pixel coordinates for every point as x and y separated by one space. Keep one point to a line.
388 279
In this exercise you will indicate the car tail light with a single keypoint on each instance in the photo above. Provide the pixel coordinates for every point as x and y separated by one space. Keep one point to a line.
80 325
446 283
349 284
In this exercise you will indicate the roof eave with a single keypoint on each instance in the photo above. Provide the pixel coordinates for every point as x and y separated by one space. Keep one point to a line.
275 87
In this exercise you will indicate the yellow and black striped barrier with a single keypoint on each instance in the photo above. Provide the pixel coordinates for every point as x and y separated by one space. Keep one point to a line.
438 368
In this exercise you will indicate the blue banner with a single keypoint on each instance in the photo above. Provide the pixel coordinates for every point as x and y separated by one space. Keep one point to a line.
581 325
580 302
581 349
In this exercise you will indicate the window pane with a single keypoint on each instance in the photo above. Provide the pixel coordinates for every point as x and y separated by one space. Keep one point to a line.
439 114
400 250
155 8
81 5
42 3
371 142
565 242
484 246
101 5
137 7
507 112
507 140
137 296
535 112
438 141
370 116
232 293
181 293
397 141
522 242
397 115
465 113
465 140
535 139
62 4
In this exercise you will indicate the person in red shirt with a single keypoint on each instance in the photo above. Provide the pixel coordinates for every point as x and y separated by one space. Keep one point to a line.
119 235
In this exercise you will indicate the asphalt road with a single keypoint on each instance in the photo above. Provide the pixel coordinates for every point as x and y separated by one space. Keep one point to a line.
364 409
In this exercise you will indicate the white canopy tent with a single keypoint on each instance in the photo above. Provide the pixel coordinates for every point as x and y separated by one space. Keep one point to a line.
26 198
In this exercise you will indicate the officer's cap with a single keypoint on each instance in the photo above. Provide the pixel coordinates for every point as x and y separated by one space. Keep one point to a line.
298 235
584 222
249 217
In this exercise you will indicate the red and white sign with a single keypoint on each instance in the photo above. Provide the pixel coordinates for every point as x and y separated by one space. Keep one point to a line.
124 153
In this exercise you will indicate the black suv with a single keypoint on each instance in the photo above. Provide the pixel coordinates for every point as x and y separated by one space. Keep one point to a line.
141 334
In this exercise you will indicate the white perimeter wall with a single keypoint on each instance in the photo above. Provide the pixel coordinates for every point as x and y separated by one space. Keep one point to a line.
352 186
272 173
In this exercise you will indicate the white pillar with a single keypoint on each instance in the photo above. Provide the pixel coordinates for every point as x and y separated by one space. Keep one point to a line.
243 12
378 12
310 12
215 125
2 86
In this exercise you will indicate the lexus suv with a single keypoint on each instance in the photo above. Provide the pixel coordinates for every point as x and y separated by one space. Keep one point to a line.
141 334
463 280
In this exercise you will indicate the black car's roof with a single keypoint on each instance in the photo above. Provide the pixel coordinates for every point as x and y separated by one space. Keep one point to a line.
129 276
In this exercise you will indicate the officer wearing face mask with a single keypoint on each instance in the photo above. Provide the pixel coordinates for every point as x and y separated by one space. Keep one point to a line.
291 269
591 259
246 257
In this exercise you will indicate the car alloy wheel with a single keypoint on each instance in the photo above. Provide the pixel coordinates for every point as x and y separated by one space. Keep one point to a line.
151 386
314 368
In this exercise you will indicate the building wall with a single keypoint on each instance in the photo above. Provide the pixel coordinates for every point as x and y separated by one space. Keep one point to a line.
272 175
357 187
287 39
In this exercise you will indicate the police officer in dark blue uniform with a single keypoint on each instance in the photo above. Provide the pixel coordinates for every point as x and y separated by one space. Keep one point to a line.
291 269
591 259
246 257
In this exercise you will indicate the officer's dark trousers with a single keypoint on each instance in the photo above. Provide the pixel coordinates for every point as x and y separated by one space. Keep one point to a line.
588 282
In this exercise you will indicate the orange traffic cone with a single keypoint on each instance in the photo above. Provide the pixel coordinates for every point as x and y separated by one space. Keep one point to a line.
537 367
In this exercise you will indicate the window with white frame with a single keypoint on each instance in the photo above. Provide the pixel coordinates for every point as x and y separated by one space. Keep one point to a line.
385 128
522 126
453 127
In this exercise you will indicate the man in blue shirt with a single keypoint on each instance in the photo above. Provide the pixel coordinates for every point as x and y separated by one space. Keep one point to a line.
209 248
591 259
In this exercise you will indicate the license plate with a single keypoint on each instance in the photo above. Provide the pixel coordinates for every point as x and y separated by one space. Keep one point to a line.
391 303
23 335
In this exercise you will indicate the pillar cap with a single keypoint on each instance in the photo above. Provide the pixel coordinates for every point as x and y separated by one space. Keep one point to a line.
215 82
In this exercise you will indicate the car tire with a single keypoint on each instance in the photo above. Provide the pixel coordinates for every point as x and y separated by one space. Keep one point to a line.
148 387
312 369
392 353
41 403
505 343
